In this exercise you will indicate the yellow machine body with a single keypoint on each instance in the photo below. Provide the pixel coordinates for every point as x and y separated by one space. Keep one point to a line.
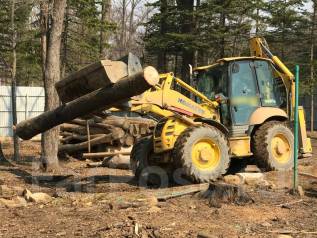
166 134
179 111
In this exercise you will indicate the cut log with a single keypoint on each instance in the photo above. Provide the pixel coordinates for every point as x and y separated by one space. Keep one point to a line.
90 78
94 164
82 130
74 147
163 194
96 76
104 154
78 137
128 140
117 162
3 159
88 136
100 99
123 122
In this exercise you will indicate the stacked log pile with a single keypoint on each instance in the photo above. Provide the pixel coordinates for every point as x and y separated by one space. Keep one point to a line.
97 134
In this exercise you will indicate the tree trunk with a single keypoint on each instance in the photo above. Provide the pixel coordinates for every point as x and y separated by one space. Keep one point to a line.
186 8
52 75
123 28
312 68
105 16
257 21
222 41
65 43
44 28
131 22
13 82
161 59
222 24
2 157
44 32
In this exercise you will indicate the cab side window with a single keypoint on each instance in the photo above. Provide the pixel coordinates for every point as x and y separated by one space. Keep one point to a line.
267 84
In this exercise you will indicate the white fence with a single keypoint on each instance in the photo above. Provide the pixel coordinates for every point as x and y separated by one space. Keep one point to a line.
30 103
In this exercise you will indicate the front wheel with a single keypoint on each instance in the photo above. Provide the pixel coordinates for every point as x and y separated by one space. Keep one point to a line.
143 163
203 153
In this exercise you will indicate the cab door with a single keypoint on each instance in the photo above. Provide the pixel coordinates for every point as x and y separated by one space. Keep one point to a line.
244 95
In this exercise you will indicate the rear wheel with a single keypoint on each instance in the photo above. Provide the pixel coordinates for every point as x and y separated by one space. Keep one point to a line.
274 146
142 163
203 153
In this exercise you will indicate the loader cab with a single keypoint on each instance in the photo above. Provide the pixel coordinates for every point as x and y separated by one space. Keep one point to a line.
245 83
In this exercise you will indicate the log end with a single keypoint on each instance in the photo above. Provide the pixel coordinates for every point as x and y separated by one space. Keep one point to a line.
151 75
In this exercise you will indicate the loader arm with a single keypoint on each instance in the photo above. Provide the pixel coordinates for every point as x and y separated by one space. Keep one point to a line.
165 101
260 48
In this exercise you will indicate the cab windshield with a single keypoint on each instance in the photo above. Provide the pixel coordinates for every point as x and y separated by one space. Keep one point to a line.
212 81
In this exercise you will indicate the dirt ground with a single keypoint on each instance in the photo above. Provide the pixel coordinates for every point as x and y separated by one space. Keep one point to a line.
79 210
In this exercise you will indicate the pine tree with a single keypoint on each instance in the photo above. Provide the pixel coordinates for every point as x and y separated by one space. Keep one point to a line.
285 26
217 29
84 35
27 46
312 62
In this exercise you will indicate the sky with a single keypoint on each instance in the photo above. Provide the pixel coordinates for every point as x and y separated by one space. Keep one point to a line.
309 6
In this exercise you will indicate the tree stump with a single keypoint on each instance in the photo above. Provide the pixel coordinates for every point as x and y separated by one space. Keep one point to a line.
3 159
219 193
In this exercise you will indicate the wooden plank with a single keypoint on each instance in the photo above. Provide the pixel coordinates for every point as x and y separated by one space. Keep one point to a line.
308 175
173 192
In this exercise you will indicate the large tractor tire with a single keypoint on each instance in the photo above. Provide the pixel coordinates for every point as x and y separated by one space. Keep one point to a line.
203 153
145 170
273 144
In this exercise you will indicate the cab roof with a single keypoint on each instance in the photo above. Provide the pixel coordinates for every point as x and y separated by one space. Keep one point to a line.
229 59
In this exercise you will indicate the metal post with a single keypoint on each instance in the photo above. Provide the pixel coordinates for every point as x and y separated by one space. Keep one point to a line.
295 175
26 107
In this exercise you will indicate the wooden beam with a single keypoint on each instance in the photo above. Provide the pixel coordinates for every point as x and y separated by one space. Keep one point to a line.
104 154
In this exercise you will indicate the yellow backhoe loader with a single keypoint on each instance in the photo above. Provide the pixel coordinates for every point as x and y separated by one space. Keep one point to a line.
243 107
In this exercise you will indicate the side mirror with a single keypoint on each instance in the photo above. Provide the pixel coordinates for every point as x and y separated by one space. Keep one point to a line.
235 68
191 81
190 70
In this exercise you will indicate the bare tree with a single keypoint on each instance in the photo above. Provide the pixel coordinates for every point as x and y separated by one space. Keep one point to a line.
13 81
186 9
161 59
105 17
131 15
123 24
51 76
312 68
3 159
44 32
